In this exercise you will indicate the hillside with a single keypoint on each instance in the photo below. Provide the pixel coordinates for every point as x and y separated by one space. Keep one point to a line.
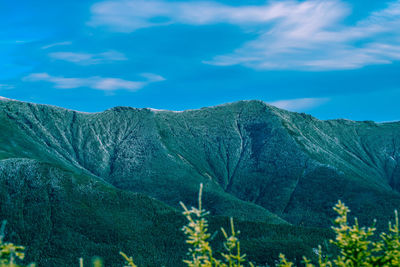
95 173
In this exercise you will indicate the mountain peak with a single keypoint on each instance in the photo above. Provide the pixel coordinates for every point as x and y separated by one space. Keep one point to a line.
6 99
258 163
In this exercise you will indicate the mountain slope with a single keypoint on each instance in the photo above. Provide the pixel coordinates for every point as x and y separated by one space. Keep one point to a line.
62 216
242 151
121 146
258 163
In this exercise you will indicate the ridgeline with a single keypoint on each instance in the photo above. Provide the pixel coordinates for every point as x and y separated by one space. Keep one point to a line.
78 184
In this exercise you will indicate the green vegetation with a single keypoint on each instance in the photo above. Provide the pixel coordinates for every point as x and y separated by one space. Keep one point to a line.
258 163
355 245
201 253
112 181
57 209
10 254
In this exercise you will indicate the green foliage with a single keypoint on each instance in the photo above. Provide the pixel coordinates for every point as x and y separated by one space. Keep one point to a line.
10 253
283 261
201 253
356 246
52 164
198 236
129 260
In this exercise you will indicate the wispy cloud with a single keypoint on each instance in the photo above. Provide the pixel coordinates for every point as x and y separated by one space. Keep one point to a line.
299 104
6 86
12 42
87 58
151 77
316 40
130 15
96 82
56 44
304 35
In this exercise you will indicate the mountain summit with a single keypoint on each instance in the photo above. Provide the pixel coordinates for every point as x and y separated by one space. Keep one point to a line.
258 163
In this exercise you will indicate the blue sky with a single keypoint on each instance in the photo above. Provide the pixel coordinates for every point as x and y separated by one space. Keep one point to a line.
329 58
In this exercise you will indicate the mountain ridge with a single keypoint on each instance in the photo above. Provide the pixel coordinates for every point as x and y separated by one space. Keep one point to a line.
197 109
140 129
258 163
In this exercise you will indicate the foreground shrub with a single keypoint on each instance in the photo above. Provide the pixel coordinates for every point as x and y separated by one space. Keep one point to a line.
355 245
10 253
201 253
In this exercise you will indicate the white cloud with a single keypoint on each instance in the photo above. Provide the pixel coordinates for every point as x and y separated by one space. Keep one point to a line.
88 59
299 104
318 41
56 44
7 42
6 86
96 82
130 15
151 77
304 35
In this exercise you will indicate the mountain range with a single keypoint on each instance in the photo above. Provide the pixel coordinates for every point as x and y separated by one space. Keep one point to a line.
76 184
